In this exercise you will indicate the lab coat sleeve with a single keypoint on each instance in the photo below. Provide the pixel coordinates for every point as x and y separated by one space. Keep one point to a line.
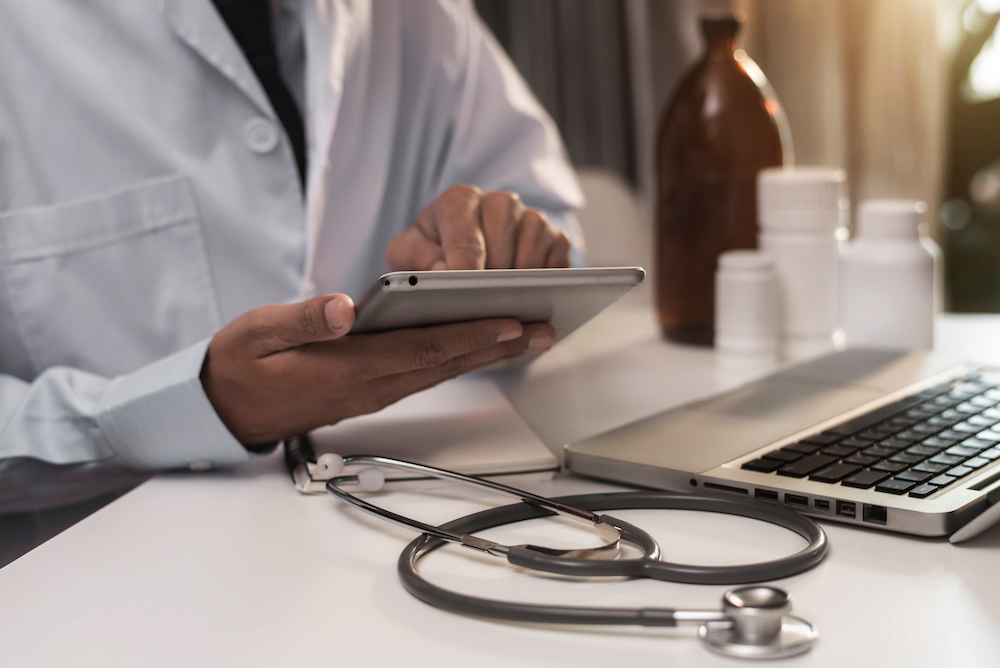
157 417
503 138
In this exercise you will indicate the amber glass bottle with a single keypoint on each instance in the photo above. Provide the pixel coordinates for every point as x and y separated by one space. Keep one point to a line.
723 126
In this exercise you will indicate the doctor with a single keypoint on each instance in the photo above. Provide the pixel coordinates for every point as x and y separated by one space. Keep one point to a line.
158 181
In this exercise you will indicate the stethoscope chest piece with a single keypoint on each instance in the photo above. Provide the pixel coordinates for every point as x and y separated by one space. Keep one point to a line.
758 626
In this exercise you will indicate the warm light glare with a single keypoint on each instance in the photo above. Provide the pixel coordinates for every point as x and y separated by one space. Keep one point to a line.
988 6
983 82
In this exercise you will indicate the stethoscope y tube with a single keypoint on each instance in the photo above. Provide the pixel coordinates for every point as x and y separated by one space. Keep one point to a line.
753 622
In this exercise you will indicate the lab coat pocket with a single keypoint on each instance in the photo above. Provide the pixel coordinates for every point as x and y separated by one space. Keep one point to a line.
112 282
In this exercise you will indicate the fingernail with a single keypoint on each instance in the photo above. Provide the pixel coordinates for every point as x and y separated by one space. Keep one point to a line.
540 343
336 314
509 335
439 266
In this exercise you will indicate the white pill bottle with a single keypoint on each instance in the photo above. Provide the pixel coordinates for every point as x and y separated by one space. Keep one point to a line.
801 211
888 278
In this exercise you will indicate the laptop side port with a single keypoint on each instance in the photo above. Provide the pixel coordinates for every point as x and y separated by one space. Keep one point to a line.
724 488
765 495
874 514
821 504
796 500
847 509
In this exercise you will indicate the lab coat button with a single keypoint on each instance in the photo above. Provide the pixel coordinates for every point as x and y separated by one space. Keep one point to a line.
309 290
260 135
199 465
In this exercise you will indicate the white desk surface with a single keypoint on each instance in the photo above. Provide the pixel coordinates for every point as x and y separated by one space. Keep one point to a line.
237 569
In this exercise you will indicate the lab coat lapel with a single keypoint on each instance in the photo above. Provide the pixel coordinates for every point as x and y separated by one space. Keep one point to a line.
199 25
328 26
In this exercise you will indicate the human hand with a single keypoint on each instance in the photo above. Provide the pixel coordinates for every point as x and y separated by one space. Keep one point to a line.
279 370
467 228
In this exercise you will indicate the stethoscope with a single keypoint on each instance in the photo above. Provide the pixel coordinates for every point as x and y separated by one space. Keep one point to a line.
753 622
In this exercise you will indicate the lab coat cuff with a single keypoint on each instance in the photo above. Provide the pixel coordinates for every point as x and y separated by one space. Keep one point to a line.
159 417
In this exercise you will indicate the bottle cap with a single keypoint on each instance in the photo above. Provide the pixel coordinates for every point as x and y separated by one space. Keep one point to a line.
801 189
890 218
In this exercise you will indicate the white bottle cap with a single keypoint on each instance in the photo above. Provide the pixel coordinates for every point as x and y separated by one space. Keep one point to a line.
746 303
890 218
784 194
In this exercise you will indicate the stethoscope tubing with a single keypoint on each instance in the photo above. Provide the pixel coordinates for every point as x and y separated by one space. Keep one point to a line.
418 586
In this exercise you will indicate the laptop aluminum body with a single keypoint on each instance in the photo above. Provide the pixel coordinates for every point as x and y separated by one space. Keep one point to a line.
702 446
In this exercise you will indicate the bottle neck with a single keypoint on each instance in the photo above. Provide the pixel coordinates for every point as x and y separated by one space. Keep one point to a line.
720 34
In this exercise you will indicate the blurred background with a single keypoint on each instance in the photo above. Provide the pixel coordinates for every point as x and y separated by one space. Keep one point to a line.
904 94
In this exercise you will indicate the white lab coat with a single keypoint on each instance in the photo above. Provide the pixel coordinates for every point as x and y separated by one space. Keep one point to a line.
148 195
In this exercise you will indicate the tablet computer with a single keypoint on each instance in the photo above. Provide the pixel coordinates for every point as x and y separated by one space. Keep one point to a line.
564 298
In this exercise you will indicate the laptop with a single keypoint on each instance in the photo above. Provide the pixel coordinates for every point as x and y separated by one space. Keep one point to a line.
866 437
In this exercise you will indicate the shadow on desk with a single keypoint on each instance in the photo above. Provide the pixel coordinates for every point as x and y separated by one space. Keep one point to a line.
22 532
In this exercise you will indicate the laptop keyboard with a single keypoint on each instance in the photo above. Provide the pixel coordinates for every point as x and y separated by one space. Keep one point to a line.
916 445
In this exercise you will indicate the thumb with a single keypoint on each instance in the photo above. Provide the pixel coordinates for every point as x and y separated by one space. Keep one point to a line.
278 327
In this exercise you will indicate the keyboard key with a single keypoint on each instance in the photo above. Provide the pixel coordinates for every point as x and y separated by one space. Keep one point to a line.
951 435
914 476
946 401
903 422
955 414
947 460
834 473
763 465
876 451
923 429
920 413
977 443
991 454
893 444
865 479
959 471
894 486
966 428
989 436
891 467
982 421
804 448
806 465
856 442
975 462
877 432
823 439
909 436
936 443
862 460
939 423
931 467
991 413
922 450
966 408
961 451
837 451
784 455
982 402
873 417
942 480
923 491
905 458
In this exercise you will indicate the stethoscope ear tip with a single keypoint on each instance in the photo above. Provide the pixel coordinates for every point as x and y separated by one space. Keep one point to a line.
328 466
